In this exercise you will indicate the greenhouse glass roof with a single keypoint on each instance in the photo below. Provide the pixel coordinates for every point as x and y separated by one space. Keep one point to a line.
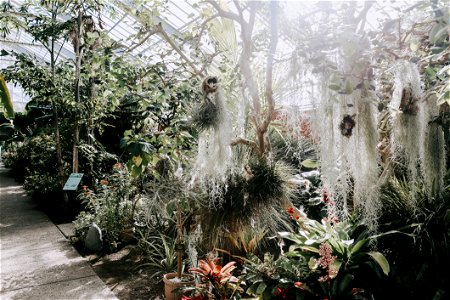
121 19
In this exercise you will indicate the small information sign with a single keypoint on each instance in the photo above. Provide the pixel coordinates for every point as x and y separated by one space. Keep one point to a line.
179 247
73 182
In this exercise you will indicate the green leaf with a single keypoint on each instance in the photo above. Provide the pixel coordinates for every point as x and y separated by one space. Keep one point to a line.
310 249
336 266
137 160
261 288
310 164
358 246
334 87
344 284
252 289
348 87
5 98
381 261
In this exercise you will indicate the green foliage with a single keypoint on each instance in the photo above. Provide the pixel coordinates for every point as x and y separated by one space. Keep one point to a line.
29 162
6 102
339 256
160 132
265 276
160 255
418 271
110 205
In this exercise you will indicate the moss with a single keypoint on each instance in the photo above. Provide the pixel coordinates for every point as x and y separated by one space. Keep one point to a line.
206 116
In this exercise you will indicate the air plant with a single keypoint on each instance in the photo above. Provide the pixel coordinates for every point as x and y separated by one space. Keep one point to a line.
347 125
207 115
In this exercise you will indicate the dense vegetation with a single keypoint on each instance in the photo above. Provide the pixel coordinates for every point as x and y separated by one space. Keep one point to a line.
348 198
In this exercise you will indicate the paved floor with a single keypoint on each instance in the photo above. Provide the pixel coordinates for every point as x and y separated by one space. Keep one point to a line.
36 260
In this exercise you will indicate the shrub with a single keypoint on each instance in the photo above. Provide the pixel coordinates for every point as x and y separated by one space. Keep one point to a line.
110 205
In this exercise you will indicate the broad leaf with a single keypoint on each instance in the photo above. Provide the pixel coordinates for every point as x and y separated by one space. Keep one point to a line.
5 98
381 261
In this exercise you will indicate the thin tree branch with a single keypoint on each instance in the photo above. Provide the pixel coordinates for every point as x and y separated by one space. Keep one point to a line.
244 63
269 67
179 51
242 141
224 13
149 34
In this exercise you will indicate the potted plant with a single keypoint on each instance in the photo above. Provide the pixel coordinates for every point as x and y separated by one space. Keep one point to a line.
174 282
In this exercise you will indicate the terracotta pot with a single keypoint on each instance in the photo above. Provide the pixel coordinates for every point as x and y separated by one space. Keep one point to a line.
170 287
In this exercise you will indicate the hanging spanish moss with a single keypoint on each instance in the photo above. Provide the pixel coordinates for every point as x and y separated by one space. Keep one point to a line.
408 120
214 157
365 166
432 152
346 127
251 197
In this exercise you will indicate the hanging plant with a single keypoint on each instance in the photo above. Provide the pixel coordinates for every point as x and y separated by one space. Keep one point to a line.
249 197
347 125
408 103
207 115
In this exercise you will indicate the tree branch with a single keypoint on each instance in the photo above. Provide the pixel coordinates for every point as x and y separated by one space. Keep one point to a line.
178 50
149 34
269 67
224 13
242 141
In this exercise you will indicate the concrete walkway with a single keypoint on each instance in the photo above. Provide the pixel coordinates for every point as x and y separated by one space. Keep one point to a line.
36 260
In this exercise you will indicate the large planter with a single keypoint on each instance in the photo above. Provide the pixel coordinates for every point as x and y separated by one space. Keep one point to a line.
172 285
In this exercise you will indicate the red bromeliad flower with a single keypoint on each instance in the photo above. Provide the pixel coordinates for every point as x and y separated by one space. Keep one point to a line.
209 270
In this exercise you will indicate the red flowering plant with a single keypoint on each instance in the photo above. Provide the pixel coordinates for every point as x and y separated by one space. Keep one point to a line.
217 281
336 252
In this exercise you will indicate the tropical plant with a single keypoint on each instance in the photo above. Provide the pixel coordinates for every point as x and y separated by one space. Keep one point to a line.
269 278
219 283
160 255
339 254
417 271
110 204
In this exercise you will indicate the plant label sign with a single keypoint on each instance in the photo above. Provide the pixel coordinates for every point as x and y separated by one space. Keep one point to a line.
73 182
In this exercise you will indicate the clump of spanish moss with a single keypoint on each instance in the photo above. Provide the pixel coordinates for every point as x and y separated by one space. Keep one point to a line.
206 116
247 198
346 126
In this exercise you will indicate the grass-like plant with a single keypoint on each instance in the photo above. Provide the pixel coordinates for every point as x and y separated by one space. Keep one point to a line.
418 263
161 255
254 197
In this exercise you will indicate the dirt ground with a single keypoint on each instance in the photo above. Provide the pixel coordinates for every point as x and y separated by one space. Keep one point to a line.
121 272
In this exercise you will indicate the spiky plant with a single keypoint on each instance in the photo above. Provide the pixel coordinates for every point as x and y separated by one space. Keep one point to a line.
206 115
248 199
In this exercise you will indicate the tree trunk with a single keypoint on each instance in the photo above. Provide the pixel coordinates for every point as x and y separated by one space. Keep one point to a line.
78 56
59 163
